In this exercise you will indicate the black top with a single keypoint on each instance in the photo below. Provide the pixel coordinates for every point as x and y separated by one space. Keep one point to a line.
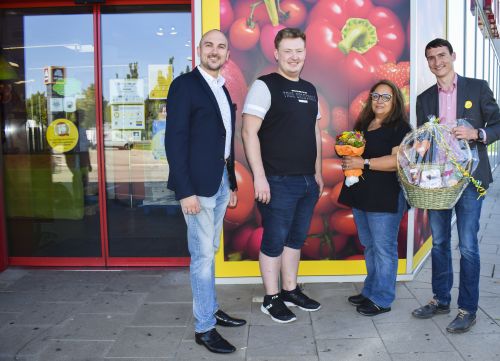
287 134
376 191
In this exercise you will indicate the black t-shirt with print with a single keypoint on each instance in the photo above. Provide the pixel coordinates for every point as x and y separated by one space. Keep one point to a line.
287 134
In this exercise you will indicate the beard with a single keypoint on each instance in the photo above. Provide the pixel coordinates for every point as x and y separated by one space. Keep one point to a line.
211 66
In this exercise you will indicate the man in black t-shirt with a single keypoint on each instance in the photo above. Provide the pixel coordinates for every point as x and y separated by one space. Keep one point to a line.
283 146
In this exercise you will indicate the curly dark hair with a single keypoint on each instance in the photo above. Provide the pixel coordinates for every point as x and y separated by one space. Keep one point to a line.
395 116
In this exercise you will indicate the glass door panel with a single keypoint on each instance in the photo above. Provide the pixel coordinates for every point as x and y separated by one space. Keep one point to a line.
48 132
144 48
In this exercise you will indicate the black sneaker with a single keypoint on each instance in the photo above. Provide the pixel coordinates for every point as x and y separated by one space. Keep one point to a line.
297 298
431 309
370 308
274 307
357 300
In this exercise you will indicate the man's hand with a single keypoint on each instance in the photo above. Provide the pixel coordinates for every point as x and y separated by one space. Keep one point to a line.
233 199
319 180
466 133
190 205
262 190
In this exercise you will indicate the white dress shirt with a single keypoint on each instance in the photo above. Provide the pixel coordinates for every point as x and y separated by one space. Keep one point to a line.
215 85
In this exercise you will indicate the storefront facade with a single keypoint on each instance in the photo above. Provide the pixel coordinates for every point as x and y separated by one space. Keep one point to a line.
84 166
83 112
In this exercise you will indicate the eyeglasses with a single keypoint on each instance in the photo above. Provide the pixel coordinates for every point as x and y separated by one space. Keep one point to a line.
385 97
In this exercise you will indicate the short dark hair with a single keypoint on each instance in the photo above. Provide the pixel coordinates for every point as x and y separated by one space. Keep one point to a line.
437 43
396 116
288 33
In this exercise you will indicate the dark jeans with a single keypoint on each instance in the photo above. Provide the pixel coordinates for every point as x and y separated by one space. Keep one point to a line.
286 218
468 211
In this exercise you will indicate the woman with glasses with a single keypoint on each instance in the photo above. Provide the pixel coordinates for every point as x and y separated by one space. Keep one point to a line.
377 200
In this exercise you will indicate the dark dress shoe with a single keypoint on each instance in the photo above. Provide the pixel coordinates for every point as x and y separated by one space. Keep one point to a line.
214 342
369 308
462 323
431 309
223 319
357 300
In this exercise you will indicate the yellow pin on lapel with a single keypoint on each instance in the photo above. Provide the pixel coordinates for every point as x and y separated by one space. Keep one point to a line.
468 104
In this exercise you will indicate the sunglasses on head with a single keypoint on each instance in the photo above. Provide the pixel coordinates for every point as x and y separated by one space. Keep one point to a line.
384 97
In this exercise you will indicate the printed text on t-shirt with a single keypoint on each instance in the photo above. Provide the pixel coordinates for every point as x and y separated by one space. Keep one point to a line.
301 96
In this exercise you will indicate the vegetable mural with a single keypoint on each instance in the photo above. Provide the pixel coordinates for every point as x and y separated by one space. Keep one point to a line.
350 45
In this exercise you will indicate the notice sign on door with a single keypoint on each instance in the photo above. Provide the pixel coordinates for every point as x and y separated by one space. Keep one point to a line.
126 91
62 135
124 116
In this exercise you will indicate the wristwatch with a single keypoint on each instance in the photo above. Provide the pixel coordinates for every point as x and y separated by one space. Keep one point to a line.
367 164
480 134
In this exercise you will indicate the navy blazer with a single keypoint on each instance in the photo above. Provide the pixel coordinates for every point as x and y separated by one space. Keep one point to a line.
195 138
483 113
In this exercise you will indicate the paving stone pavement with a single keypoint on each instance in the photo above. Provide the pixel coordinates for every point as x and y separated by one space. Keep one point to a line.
145 315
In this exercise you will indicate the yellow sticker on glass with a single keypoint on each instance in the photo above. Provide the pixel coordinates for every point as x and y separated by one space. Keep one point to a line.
62 135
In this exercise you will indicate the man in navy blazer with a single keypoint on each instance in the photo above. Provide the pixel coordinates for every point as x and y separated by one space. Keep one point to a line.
455 97
199 142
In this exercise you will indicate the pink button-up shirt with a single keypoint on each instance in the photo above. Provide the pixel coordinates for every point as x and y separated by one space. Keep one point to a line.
448 104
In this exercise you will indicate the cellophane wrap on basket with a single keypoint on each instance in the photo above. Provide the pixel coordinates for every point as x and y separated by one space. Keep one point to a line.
434 166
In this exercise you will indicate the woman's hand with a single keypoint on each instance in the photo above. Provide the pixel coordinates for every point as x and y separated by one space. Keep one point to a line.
349 162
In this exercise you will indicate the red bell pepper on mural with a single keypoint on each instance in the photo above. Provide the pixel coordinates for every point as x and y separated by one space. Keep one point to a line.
353 37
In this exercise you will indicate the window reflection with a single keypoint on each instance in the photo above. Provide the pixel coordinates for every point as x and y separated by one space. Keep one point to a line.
139 64
47 117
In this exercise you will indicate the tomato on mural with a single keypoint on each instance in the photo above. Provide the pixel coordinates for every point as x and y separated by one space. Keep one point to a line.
350 45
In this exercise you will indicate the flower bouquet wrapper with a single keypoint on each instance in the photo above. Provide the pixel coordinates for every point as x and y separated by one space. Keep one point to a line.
351 144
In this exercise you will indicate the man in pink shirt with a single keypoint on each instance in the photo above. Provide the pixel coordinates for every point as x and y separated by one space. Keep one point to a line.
455 97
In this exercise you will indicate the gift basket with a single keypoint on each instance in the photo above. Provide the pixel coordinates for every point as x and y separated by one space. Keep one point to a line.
434 167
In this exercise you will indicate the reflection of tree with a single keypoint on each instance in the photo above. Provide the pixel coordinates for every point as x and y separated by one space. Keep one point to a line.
187 70
36 107
133 71
171 62
87 104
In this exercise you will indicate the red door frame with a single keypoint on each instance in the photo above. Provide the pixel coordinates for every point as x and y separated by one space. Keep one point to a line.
105 260
3 234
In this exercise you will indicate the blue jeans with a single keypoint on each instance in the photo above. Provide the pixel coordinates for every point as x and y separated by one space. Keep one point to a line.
378 232
203 232
468 211
287 217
